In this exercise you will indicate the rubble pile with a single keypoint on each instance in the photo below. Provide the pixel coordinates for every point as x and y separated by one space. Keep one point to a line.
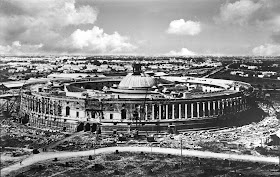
15 135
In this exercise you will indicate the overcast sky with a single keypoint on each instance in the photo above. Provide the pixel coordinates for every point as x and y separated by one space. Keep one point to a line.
144 27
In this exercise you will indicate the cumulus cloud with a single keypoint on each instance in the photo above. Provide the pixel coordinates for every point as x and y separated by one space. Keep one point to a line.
239 12
16 48
96 40
182 52
182 27
267 49
55 27
41 18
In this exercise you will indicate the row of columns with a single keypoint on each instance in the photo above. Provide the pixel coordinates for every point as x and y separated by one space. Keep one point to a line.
45 106
197 109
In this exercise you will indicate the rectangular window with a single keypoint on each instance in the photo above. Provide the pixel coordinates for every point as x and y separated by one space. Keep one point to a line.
111 116
77 114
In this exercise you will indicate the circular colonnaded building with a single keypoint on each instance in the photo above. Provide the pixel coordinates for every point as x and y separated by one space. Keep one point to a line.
137 101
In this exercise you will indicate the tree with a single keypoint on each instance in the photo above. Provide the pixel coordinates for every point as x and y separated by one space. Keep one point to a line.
259 86
96 62
273 86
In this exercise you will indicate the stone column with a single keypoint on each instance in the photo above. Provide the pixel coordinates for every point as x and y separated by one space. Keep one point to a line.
31 100
41 106
186 111
227 104
219 107
191 110
49 107
146 112
54 108
173 111
34 104
203 109
166 111
240 104
46 106
153 112
180 111
197 109
214 107
209 108
31 104
234 105
222 106
159 112
237 104
28 104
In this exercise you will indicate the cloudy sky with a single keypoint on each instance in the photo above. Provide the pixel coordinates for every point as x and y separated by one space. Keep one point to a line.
144 27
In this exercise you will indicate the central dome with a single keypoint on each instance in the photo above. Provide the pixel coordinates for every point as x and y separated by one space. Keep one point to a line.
140 81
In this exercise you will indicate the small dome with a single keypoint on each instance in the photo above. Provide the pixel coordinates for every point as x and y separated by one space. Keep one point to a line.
137 81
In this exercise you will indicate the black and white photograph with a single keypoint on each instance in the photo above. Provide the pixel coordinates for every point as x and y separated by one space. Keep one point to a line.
140 88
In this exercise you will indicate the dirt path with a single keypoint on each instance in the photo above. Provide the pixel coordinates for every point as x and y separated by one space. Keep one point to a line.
193 153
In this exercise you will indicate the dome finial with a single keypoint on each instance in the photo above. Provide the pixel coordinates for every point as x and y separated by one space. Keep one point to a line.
136 68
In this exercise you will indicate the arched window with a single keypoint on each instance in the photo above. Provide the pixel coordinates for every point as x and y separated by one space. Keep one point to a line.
67 111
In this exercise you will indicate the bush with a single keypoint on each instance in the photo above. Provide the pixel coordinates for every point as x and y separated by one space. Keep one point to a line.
36 151
37 168
117 172
98 167
20 175
128 167
113 157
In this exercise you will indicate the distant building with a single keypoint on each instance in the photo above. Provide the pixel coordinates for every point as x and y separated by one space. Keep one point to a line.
237 73
268 73
253 67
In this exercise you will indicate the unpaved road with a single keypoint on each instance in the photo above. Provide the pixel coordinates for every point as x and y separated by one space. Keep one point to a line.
194 153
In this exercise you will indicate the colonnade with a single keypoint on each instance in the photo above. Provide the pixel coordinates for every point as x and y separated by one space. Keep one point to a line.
44 112
195 109
41 105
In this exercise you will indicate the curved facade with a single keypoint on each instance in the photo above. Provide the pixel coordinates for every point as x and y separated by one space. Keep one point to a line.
152 104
